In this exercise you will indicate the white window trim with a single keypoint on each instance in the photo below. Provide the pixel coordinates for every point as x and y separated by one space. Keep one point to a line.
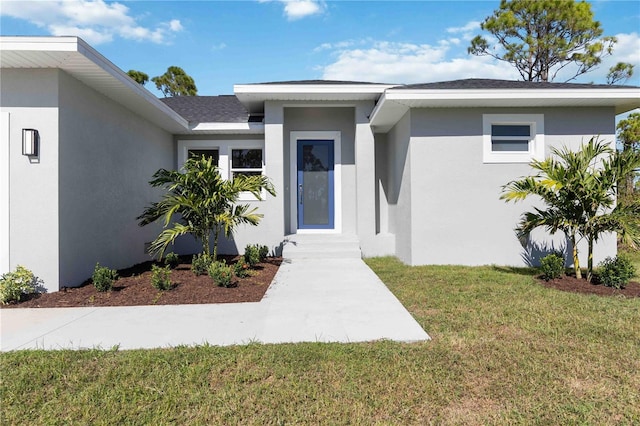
536 144
336 137
224 148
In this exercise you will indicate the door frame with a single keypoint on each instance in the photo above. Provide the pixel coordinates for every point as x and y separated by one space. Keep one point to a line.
335 136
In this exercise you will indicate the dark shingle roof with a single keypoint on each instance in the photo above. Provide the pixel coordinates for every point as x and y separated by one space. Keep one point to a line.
485 83
209 109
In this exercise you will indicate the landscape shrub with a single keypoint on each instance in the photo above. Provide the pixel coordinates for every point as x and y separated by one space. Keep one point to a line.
161 277
103 277
172 260
241 269
616 272
200 263
552 266
221 274
252 255
264 252
14 284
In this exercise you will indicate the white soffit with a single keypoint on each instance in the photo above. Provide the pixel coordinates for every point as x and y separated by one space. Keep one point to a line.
227 128
395 103
253 96
77 58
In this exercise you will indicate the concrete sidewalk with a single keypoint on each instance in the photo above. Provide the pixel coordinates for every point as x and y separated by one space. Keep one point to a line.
307 302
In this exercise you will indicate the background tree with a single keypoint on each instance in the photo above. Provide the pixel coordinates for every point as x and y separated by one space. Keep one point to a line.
620 73
205 203
175 82
628 132
138 76
580 192
541 38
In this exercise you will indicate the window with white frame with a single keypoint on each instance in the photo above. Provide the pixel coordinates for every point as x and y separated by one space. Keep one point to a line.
247 162
513 138
206 153
233 157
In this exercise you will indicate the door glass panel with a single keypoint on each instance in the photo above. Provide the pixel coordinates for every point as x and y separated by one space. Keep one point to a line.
315 191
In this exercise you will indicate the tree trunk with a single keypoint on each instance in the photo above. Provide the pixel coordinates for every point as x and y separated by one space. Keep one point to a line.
215 244
576 261
590 261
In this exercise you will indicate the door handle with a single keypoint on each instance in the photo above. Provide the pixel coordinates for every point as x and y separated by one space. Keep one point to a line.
300 193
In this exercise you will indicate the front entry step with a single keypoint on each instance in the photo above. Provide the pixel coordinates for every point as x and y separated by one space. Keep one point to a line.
321 246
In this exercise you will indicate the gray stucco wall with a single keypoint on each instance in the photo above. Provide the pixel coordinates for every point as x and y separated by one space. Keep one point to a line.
398 186
31 99
107 157
457 216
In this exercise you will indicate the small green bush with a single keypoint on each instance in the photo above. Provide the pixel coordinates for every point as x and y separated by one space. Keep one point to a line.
616 272
264 252
221 274
103 277
552 266
161 277
200 263
172 260
14 284
252 255
241 269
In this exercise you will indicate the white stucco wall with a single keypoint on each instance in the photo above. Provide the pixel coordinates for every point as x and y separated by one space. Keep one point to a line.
107 157
30 97
457 215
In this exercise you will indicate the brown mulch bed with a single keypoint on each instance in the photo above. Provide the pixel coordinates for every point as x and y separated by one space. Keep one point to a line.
572 284
133 287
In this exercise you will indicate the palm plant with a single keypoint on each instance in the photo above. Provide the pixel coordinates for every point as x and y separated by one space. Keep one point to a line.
205 202
579 190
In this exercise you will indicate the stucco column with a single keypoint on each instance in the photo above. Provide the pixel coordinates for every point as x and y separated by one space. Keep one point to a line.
365 177
274 161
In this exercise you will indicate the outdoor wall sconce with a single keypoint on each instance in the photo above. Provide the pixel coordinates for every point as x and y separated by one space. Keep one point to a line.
30 142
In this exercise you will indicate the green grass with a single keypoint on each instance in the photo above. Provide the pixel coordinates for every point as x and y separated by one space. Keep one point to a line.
504 351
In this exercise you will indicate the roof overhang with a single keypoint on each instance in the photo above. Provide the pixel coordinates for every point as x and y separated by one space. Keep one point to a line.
77 58
226 128
253 96
394 103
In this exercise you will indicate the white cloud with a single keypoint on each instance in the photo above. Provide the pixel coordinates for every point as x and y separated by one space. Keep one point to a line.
470 26
447 59
93 20
298 9
391 62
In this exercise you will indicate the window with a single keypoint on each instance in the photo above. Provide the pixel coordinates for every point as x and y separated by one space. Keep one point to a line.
246 162
199 153
512 138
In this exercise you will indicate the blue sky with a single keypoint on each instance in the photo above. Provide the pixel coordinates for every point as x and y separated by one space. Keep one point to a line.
221 43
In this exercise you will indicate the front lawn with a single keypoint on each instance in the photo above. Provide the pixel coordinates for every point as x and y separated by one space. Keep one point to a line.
505 350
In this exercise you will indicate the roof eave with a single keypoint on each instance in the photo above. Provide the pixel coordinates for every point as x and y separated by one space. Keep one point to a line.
227 128
394 103
87 65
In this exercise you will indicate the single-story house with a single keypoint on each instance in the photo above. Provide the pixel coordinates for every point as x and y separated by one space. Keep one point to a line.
413 171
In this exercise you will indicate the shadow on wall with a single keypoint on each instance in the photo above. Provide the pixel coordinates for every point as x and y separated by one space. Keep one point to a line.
533 251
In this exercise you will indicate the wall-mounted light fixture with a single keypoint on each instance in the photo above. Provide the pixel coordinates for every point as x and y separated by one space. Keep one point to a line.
30 142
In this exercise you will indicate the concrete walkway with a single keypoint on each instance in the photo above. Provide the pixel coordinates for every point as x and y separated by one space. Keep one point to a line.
310 300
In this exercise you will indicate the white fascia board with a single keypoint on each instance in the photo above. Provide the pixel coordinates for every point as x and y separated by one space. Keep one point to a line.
490 94
234 128
270 90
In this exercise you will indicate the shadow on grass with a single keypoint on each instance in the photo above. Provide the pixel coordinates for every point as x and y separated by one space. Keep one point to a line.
524 271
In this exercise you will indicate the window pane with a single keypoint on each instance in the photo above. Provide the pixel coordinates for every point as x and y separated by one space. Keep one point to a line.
246 159
513 146
246 173
199 153
510 130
